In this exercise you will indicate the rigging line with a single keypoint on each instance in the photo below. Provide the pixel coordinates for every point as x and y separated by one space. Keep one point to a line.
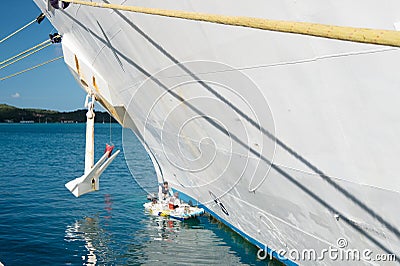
22 57
110 130
20 29
353 34
24 52
31 68
39 19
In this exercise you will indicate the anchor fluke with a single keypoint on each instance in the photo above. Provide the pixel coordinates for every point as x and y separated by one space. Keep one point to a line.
89 182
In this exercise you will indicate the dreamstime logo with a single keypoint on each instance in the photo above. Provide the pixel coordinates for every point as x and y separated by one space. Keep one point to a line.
339 253
342 242
203 124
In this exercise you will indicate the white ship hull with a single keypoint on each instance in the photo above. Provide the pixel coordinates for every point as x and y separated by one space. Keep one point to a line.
290 140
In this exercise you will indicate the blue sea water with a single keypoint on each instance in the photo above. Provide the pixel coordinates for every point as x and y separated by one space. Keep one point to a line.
42 223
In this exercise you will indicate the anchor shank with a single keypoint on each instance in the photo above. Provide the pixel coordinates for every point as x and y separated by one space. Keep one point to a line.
89 153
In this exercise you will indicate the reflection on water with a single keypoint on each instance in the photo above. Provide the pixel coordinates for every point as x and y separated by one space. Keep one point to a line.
85 230
185 242
108 202
42 223
159 240
95 237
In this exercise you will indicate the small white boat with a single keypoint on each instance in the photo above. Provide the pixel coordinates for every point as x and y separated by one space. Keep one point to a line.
163 208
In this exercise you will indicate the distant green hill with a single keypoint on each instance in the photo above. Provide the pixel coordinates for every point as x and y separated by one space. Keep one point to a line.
11 114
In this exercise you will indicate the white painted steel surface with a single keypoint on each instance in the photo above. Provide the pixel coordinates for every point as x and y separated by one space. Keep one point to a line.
324 112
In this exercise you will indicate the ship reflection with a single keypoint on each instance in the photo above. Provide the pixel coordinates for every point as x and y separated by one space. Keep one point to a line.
84 230
95 238
202 240
169 229
141 239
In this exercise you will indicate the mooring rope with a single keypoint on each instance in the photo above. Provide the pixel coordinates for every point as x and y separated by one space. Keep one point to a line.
39 19
31 68
24 52
25 56
361 35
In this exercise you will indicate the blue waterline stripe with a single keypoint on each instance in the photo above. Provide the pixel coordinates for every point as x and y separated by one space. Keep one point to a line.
253 241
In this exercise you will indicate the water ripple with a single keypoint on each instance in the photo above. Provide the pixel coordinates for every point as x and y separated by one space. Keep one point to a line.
41 223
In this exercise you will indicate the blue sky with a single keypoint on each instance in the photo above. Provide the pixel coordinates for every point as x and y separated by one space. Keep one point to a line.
51 86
